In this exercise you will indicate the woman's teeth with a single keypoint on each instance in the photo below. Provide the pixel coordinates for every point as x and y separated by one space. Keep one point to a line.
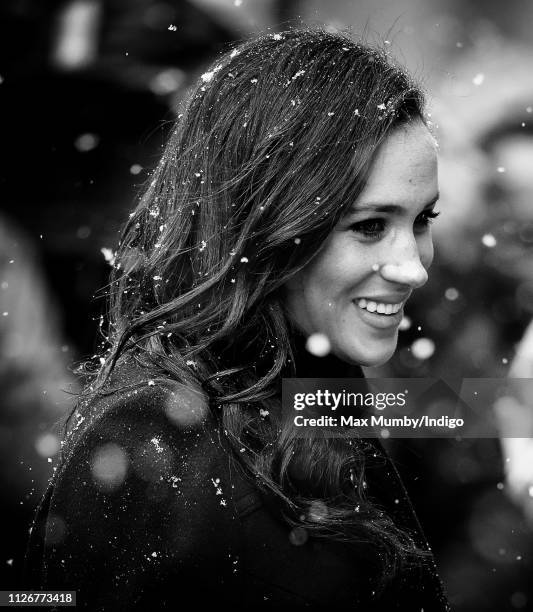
386 309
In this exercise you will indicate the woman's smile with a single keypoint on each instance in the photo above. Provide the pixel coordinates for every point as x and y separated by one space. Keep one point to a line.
379 315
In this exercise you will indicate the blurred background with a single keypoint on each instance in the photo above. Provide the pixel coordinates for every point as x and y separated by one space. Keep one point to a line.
89 89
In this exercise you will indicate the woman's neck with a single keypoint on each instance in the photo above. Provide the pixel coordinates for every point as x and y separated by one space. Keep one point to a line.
312 366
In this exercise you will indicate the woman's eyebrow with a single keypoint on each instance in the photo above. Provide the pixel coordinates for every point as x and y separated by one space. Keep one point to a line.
386 208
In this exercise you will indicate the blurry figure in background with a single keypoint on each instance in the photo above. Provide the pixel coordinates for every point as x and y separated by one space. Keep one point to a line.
76 54
487 151
467 321
518 452
508 146
32 378
502 133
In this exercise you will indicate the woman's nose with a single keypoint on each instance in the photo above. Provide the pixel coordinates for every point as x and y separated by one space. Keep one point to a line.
410 273
404 265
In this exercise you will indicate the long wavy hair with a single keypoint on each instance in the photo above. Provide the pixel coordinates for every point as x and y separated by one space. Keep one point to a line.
272 146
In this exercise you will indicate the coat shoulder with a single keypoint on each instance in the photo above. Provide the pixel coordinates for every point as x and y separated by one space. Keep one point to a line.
143 490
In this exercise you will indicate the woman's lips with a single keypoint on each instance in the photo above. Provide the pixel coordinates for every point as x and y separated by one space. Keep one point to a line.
377 320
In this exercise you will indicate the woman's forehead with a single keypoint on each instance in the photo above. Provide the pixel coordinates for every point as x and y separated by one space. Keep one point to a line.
404 169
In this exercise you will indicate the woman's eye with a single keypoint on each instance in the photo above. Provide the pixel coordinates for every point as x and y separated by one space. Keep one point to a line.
369 227
373 228
426 218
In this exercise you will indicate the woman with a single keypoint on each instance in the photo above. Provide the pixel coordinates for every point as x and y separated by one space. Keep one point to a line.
293 198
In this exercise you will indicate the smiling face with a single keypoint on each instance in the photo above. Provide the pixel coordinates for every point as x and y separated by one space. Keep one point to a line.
341 292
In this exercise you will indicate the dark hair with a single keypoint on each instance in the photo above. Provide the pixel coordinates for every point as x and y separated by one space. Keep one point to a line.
272 146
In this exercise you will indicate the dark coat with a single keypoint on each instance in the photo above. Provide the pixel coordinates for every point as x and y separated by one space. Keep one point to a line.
144 514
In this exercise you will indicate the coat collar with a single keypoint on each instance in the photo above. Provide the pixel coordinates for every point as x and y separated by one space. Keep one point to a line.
308 365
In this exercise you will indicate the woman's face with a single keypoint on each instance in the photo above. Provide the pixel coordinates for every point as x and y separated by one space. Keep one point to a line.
388 225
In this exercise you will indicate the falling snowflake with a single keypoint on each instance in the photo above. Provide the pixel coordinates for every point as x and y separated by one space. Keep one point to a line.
109 466
298 74
423 348
489 241
166 81
405 324
478 79
48 444
298 536
318 344
109 256
86 142
451 294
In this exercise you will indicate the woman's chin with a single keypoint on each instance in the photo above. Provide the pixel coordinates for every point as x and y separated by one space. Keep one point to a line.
376 363
369 358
